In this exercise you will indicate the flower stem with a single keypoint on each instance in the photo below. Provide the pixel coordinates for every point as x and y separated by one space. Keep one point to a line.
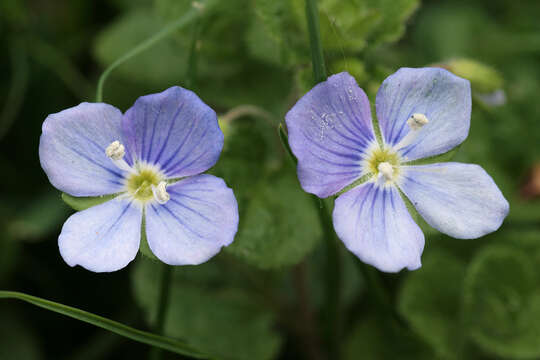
163 304
191 73
317 59
186 19
332 313
333 261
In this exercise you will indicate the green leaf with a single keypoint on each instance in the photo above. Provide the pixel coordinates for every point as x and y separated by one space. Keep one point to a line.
483 78
370 339
144 248
246 156
430 300
17 340
170 344
129 31
210 309
274 34
220 39
502 303
83 203
285 143
280 225
10 251
37 219
353 24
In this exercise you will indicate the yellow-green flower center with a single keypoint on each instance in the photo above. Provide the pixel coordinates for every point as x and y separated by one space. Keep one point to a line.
382 159
139 185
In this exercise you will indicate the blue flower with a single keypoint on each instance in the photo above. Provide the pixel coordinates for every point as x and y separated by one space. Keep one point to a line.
151 158
421 113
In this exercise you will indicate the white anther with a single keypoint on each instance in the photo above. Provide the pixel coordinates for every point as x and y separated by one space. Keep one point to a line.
115 150
386 170
160 192
416 121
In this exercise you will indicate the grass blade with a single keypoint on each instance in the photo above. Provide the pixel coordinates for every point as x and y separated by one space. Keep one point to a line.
166 343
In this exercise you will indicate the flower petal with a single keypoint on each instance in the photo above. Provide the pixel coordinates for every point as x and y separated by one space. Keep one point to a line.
375 225
460 200
102 238
442 97
329 131
72 149
175 130
200 217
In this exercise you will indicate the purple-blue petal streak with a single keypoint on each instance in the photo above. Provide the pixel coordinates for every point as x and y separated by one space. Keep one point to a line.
460 200
329 131
374 224
199 219
442 97
175 130
103 238
72 149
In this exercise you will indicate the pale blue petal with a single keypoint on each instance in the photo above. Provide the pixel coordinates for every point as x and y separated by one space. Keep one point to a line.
103 238
329 131
442 97
460 200
199 219
175 130
375 225
72 149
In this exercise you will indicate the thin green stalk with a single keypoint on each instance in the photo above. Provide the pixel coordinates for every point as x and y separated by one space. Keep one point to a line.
167 271
315 43
170 344
193 14
333 261
333 275
60 64
332 314
377 289
163 305
191 74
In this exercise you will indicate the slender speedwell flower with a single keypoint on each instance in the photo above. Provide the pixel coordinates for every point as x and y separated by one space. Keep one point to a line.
421 113
151 158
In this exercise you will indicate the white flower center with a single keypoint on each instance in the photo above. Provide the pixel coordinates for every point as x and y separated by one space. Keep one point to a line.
387 170
143 182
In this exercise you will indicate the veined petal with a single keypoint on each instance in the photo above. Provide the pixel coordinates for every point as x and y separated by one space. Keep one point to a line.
329 131
442 97
200 217
102 238
175 130
72 149
460 200
375 225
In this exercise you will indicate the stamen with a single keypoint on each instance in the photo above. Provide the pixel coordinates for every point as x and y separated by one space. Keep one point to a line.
415 122
160 192
116 151
387 170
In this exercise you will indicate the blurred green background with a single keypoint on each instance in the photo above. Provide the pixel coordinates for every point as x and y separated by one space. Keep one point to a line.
262 297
